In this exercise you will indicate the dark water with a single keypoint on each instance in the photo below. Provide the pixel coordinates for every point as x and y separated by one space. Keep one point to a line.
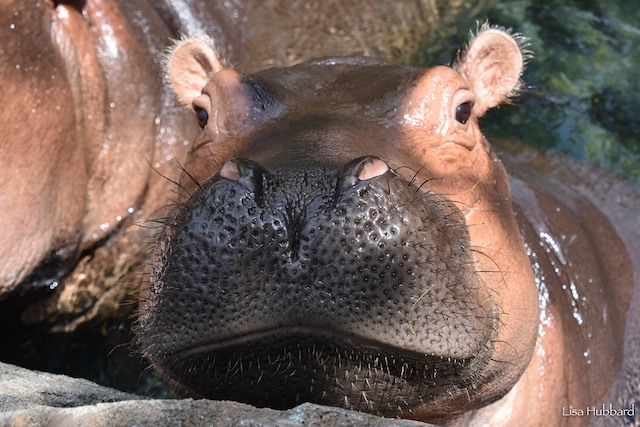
103 352
583 85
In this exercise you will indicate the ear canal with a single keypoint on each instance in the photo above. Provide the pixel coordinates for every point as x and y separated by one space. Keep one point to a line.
492 66
189 66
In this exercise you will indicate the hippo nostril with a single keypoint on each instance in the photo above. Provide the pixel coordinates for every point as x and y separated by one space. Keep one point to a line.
246 173
361 169
371 167
230 171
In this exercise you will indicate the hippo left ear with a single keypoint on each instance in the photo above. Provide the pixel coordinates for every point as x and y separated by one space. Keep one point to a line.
190 65
492 65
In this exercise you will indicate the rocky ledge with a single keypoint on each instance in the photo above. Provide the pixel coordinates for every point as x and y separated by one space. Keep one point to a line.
31 398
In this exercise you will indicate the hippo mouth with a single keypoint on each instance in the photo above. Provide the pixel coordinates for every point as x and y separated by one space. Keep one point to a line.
340 288
283 367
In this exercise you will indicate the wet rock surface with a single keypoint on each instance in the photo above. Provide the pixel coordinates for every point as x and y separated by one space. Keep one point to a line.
31 398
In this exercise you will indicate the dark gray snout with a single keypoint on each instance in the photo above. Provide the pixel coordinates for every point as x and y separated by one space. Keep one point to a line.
277 287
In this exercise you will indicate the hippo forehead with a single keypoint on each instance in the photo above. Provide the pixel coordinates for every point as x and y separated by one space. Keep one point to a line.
365 84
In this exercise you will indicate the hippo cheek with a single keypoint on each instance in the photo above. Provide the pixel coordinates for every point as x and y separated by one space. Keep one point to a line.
276 288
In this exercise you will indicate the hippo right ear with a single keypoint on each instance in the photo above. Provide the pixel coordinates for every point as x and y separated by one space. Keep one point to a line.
492 64
190 65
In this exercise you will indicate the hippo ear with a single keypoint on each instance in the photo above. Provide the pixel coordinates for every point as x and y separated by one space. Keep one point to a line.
190 65
492 65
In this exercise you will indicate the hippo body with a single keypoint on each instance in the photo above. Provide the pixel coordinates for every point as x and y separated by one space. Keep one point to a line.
584 285
341 232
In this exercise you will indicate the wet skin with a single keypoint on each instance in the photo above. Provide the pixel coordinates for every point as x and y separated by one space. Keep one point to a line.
347 236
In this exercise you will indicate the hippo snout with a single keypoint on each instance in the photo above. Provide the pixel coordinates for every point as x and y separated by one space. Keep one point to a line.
343 286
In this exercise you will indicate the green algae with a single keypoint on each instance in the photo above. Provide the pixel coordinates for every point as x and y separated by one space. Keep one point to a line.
581 94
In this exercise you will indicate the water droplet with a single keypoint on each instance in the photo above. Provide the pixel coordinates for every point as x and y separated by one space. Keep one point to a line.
53 285
574 291
577 316
112 105
104 226
63 13
12 26
130 210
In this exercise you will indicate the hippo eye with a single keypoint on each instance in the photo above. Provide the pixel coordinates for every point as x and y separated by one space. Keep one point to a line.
463 112
202 116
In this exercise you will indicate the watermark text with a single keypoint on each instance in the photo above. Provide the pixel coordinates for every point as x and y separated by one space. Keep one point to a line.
600 411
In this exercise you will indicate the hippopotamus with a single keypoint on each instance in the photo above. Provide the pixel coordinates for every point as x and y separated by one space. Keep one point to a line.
344 234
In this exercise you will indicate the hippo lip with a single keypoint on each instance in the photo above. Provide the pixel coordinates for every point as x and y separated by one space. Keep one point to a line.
285 366
271 335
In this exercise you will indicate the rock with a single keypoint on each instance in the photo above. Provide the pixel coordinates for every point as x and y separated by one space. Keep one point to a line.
30 398
23 389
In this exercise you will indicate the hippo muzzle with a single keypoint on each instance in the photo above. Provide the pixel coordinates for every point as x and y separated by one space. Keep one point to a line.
319 285
340 243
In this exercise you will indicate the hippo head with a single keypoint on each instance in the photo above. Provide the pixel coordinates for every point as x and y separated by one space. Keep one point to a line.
343 235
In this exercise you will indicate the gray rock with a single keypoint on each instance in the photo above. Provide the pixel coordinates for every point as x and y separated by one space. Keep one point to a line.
22 389
30 398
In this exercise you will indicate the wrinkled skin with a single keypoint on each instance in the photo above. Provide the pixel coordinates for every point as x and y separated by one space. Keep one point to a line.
71 176
347 236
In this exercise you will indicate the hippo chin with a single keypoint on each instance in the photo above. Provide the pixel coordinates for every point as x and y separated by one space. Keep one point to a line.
345 235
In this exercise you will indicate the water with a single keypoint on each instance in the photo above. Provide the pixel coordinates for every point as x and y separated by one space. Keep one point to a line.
582 95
